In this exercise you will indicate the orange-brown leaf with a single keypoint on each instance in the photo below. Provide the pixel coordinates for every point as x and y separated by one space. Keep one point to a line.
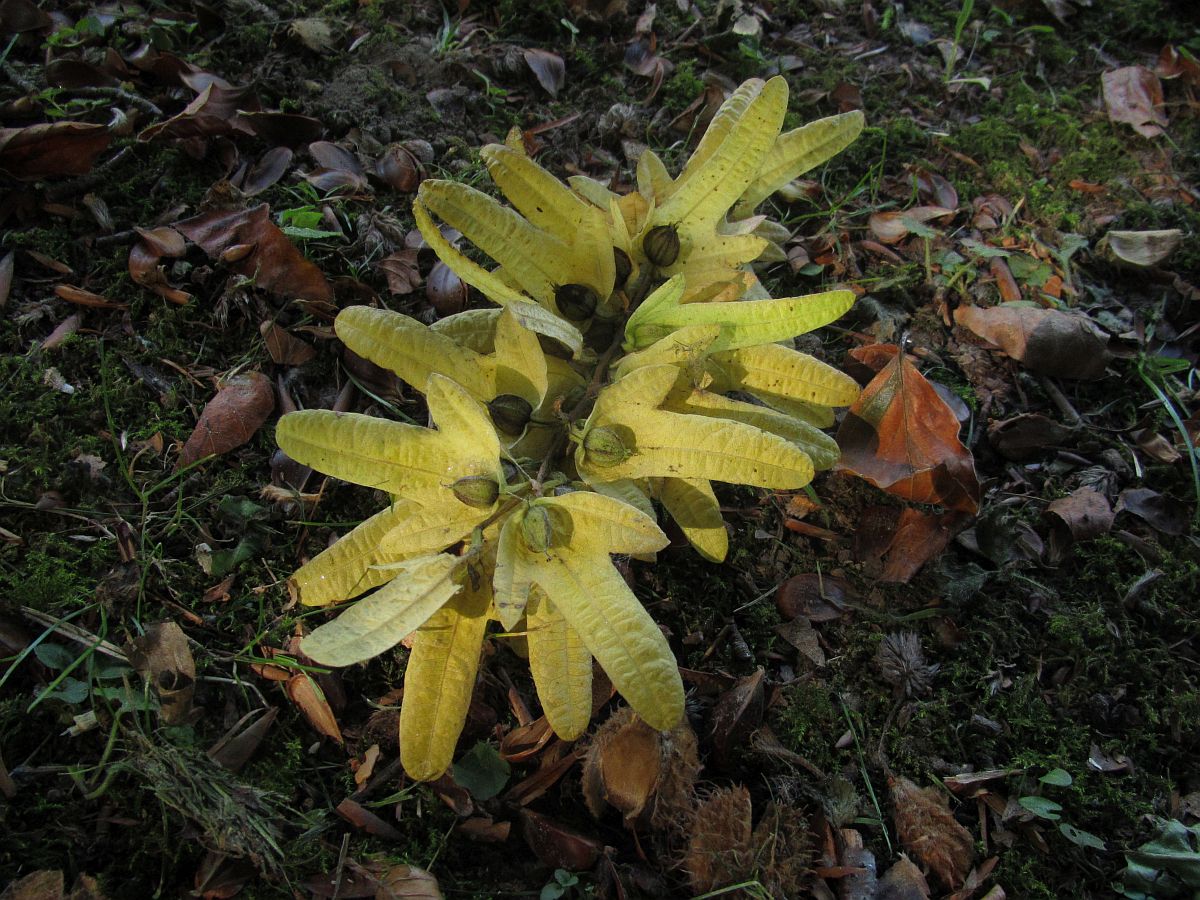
902 437
231 418
304 692
51 149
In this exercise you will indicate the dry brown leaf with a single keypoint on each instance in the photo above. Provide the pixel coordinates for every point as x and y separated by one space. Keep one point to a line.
1047 341
81 297
903 881
6 277
1081 516
893 227
929 831
548 68
304 692
19 16
237 745
408 883
365 820
270 167
285 348
1026 436
400 270
162 656
231 418
918 538
902 437
274 262
1133 95
557 845
1143 248
213 113
815 596
1164 513
281 129
51 149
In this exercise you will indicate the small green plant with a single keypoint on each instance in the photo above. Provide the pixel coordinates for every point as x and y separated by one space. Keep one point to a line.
599 387
1047 809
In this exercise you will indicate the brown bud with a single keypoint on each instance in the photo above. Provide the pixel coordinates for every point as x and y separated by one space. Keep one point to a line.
576 301
510 413
602 447
478 491
661 245
624 266
536 530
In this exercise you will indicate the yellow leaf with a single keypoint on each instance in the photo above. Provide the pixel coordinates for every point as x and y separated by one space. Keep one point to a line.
783 372
629 492
511 580
465 427
438 682
562 668
821 448
743 323
685 348
798 151
345 569
601 522
817 415
594 599
379 622
653 181
520 363
694 507
428 530
474 329
705 191
412 350
401 459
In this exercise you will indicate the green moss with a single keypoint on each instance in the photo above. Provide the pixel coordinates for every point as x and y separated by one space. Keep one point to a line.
684 86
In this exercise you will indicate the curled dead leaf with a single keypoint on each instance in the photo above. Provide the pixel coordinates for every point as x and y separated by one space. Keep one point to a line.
902 437
1048 341
1133 95
162 656
558 845
285 348
408 883
308 697
52 149
893 227
1081 516
1142 248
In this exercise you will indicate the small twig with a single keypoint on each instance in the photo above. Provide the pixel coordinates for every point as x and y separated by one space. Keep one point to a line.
90 180
75 633
17 78
120 94
1059 399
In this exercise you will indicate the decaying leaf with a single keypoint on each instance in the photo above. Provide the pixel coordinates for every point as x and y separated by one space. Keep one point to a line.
558 845
162 656
928 830
1143 248
1081 516
273 262
231 418
308 697
52 149
406 882
738 712
902 437
1048 341
548 68
1133 95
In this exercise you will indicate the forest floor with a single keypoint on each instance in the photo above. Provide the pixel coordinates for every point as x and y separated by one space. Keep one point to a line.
891 700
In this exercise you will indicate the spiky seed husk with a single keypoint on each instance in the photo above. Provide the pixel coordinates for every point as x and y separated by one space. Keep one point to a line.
604 448
478 491
903 664
576 301
510 413
536 530
624 266
661 245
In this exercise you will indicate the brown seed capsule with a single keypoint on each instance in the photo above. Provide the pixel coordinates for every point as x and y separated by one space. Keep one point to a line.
536 530
602 447
576 301
661 245
624 266
510 413
478 491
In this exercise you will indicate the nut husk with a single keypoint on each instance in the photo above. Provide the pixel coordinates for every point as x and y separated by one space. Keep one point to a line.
510 413
536 529
624 266
661 245
602 447
479 491
576 301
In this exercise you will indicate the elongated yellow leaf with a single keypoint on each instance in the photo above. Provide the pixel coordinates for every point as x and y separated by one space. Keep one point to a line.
780 371
667 444
412 350
379 622
821 448
429 530
438 682
704 193
628 492
591 190
511 581
465 427
646 386
684 348
652 178
540 197
474 329
817 415
548 323
743 323
344 570
594 599
605 522
562 668
694 507
798 151
401 459
520 363
534 259
727 116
